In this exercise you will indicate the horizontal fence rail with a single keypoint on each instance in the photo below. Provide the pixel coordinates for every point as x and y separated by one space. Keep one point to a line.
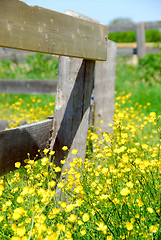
128 49
131 51
134 45
15 143
28 86
14 54
126 27
36 29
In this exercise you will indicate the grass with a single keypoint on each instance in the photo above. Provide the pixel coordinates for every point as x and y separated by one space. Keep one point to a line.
26 107
114 194
37 66
142 81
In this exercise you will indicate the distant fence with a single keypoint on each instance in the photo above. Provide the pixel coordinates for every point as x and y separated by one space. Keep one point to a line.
87 60
141 48
14 55
129 49
29 86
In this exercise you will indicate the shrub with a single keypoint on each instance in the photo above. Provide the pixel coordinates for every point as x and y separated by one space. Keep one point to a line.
153 35
122 37
150 69
150 36
36 66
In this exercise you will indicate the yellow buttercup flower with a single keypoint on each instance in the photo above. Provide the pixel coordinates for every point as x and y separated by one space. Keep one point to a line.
1 187
44 161
125 191
57 169
86 217
1 218
150 209
19 199
69 208
83 232
130 184
63 161
64 148
74 151
61 227
153 228
15 238
52 184
72 218
102 227
94 136
129 226
51 152
109 237
60 185
17 164
8 203
63 204
21 231
46 151
80 222
17 213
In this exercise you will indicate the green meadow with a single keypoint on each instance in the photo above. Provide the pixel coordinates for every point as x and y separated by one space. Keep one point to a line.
115 193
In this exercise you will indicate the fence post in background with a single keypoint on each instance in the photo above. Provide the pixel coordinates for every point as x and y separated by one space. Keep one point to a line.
140 38
104 90
72 107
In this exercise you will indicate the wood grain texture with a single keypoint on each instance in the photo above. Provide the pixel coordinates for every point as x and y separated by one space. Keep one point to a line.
15 143
28 86
72 107
42 30
104 95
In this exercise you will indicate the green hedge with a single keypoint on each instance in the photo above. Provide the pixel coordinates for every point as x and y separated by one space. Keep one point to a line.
151 36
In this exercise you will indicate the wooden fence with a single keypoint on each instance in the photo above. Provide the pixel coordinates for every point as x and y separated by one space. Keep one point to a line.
87 59
141 48
29 86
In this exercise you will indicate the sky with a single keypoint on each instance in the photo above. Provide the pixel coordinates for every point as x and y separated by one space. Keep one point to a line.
106 10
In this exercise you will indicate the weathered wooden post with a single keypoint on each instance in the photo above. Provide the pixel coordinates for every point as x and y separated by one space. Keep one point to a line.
75 84
104 93
72 108
140 38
